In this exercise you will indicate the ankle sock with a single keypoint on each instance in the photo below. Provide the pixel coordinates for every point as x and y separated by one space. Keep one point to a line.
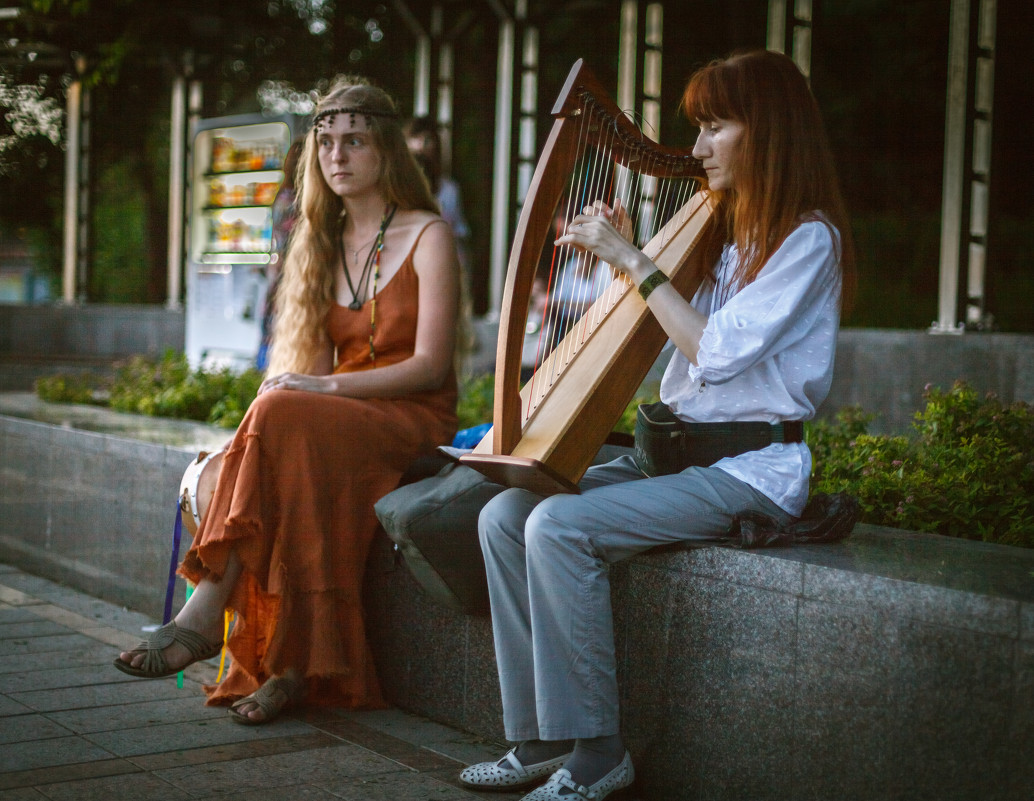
595 757
531 752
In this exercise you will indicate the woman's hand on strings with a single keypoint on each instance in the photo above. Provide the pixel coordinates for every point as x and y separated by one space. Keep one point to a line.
599 230
605 232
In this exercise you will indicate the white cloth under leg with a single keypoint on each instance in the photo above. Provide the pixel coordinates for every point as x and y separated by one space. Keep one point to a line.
548 564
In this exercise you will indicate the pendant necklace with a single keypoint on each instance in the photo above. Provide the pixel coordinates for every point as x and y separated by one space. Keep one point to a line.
373 261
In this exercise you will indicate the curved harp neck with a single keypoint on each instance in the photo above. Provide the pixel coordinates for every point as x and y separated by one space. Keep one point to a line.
594 152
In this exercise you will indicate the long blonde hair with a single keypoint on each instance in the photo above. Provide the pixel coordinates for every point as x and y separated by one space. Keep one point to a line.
306 291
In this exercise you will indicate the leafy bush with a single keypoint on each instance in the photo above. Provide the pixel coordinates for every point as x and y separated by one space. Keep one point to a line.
71 388
967 470
166 387
169 388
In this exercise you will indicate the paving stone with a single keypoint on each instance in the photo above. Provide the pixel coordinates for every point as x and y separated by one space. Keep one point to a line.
72 772
44 753
189 734
401 787
407 754
31 628
228 752
291 792
16 614
127 716
40 645
22 794
267 772
96 654
79 676
106 695
26 728
8 706
343 760
141 786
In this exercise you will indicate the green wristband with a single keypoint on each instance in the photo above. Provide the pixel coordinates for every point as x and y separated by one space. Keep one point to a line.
651 282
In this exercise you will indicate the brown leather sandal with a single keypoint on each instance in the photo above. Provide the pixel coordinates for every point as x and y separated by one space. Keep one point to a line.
276 695
153 646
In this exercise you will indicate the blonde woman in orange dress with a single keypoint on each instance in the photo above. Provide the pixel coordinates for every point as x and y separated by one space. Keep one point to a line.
360 382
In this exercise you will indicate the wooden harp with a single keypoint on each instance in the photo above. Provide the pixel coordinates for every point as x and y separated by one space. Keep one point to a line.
546 433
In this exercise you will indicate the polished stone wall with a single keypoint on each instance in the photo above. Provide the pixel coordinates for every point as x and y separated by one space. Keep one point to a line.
892 666
95 508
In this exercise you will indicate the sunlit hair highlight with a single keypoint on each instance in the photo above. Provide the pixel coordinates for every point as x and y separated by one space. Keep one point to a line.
785 172
306 291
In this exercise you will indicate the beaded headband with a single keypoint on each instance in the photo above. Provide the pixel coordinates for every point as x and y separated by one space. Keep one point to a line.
330 113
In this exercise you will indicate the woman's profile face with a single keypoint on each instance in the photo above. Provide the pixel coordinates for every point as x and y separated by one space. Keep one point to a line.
718 148
349 160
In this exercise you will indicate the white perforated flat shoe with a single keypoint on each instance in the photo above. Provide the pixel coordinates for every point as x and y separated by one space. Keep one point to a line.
618 779
508 773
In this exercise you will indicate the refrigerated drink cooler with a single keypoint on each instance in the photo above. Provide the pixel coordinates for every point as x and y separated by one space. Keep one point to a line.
237 171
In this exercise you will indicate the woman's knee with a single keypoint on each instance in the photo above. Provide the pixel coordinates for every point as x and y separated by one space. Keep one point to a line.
550 527
502 518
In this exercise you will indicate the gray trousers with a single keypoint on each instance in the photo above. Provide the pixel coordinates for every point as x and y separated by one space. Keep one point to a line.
547 562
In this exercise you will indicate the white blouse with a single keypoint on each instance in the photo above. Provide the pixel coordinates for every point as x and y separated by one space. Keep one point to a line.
766 354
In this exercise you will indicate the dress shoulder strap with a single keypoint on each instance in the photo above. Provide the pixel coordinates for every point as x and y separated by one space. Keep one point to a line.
420 234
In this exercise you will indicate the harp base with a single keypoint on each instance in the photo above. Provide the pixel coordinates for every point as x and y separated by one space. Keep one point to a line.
520 472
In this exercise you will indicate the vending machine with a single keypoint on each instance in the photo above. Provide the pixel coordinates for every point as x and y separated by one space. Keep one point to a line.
236 173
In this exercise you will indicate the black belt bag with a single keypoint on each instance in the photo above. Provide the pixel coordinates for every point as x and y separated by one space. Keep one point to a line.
664 444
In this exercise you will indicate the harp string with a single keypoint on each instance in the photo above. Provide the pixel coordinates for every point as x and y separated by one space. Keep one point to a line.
611 169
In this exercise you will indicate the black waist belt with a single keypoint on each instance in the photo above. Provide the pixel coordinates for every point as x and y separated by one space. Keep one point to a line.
665 444
762 433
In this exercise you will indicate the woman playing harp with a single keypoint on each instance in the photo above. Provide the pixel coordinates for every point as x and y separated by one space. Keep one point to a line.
755 345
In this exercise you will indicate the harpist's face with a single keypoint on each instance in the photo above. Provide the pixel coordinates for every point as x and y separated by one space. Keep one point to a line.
718 148
350 162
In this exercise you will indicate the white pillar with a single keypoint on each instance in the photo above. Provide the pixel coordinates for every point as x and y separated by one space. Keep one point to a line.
527 145
70 244
177 163
652 64
954 166
628 55
446 89
499 246
798 42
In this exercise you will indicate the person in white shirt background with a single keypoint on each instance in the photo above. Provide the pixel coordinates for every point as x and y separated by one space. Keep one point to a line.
756 343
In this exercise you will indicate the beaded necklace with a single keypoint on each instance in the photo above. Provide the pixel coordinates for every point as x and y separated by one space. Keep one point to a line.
373 260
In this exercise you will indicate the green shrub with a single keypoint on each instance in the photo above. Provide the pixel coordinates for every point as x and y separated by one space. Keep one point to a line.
71 388
966 471
169 388
474 406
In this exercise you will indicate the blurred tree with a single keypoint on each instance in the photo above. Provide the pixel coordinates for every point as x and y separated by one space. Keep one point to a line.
131 50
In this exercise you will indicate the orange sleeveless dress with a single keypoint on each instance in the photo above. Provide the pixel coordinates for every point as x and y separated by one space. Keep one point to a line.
295 500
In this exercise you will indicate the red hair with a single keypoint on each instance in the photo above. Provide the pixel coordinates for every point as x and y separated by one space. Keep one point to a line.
785 171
